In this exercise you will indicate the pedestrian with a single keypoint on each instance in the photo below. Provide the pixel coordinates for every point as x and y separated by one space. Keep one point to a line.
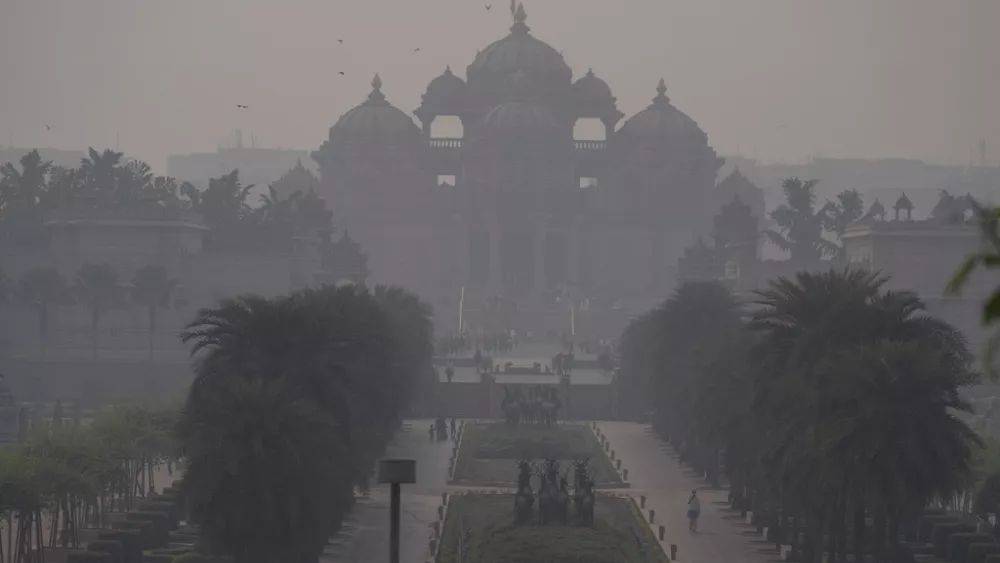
694 510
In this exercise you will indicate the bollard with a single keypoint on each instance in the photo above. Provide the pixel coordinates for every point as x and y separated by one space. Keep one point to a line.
607 446
612 454
673 552
444 499
652 515
642 501
436 528
663 530
618 466
433 545
624 474
440 513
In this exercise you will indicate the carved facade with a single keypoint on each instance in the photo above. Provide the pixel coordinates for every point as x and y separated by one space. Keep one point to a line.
519 206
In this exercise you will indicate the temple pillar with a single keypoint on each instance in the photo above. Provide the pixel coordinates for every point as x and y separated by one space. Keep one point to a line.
496 279
538 255
573 256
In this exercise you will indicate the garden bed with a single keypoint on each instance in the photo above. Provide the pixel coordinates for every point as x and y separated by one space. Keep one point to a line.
483 523
490 451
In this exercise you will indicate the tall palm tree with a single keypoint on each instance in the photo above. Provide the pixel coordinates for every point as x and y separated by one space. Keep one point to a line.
988 258
97 287
99 171
41 288
800 224
21 195
152 288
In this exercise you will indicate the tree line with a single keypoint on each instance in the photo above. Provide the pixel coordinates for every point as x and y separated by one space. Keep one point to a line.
830 403
294 399
66 475
108 182
95 286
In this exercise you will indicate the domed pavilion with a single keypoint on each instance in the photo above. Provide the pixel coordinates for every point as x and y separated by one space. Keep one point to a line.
536 192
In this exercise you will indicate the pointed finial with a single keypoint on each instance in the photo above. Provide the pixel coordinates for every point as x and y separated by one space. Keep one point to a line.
590 71
519 17
376 94
447 69
661 93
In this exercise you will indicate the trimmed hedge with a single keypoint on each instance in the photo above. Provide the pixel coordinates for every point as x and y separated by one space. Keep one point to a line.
88 557
979 551
193 557
940 534
928 521
958 544
157 558
130 540
111 547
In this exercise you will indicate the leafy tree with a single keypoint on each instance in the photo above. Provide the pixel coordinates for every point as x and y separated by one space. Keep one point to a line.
22 193
99 172
839 214
987 259
97 287
152 288
41 288
800 225
305 391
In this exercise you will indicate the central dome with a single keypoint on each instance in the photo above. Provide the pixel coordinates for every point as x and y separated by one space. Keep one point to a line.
519 51
375 120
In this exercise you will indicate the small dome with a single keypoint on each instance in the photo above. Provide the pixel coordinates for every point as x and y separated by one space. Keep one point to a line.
592 88
519 117
661 120
375 120
520 51
445 87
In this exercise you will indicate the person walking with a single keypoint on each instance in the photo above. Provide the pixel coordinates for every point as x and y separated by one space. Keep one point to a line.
694 511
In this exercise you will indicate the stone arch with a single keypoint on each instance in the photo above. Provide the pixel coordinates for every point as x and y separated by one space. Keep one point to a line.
589 129
447 127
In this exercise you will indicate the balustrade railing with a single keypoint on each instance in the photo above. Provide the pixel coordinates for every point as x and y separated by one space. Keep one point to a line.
446 143
590 145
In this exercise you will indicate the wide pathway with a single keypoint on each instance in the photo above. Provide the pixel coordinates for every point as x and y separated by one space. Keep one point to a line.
365 536
655 472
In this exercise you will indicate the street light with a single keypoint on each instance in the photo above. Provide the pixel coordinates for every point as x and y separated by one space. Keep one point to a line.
395 472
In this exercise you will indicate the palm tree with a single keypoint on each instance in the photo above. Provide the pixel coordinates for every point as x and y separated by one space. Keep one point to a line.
800 225
152 288
41 288
97 287
987 259
100 171
21 195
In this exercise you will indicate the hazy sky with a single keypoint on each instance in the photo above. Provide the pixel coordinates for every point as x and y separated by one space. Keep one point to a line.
779 79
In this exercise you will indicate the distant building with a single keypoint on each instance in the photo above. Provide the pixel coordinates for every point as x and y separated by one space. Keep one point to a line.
535 195
258 166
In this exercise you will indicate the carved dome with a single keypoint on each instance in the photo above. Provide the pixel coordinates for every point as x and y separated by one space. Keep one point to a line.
375 120
445 94
661 121
590 88
519 118
519 51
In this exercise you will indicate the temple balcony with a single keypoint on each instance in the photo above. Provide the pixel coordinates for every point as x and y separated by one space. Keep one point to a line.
590 145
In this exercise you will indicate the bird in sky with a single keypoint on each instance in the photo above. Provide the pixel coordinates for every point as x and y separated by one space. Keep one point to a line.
489 7
341 41
341 73
241 106
417 50
48 127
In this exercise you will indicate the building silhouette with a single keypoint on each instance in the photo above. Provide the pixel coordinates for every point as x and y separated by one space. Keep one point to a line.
519 205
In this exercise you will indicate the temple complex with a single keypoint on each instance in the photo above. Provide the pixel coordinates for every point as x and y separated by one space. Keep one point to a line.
544 197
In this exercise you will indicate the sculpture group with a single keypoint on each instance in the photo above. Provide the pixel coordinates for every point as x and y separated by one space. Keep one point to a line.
553 494
540 406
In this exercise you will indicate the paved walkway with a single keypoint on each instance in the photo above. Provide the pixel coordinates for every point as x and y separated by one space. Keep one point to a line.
655 472
365 536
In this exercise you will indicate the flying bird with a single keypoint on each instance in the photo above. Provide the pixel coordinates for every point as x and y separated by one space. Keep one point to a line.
341 41
341 73
489 7
241 106
48 127
417 50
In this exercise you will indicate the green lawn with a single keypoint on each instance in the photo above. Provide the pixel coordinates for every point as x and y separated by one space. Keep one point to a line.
490 451
618 534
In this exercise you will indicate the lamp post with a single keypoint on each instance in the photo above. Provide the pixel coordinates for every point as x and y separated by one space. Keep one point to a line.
396 472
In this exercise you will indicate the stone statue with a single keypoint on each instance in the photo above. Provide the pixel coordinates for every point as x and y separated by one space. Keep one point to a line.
583 493
553 498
